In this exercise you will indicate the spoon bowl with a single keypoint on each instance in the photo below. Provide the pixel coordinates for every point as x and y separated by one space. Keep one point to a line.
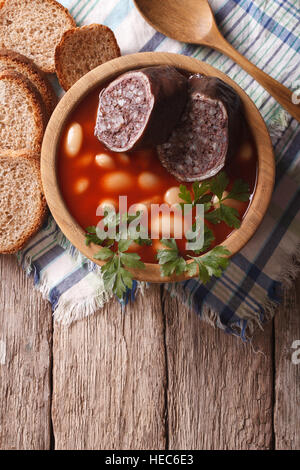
193 21
174 21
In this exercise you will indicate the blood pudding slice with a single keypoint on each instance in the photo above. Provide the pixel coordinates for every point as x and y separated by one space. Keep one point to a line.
208 132
140 108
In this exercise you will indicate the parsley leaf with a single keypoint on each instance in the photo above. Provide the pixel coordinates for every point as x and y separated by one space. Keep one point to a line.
91 229
240 191
199 190
91 236
230 216
208 239
169 243
116 277
210 264
218 184
170 260
104 254
185 194
132 260
143 241
226 214
124 245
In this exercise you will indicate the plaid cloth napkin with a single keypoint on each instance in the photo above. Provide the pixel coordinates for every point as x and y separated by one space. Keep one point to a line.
267 33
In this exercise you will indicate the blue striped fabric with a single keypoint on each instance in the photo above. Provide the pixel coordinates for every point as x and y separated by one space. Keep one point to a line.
267 33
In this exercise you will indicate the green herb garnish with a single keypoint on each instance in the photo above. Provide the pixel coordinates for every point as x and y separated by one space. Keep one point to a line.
210 264
116 270
116 276
224 213
204 192
213 262
169 259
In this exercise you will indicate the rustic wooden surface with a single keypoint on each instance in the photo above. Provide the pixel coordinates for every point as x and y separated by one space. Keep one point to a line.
25 363
287 378
155 377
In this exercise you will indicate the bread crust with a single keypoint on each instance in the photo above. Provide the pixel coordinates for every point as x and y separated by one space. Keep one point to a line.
59 51
25 66
50 69
39 110
33 159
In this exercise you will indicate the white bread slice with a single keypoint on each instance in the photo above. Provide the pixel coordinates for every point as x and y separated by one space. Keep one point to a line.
22 203
22 113
81 50
34 28
10 60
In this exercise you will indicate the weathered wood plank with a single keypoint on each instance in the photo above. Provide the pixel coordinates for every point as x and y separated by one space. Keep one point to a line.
109 379
25 362
287 380
219 390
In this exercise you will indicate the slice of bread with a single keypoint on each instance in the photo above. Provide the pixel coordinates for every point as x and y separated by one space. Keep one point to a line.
10 60
81 50
22 113
34 28
22 203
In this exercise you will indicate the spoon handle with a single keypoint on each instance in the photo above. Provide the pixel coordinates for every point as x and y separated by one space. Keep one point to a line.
283 95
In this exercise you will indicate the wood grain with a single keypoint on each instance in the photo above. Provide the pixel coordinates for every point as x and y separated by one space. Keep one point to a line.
105 73
287 379
110 378
219 389
25 361
155 377
192 21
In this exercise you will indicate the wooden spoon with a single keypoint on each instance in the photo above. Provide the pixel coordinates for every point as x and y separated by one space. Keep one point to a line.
193 21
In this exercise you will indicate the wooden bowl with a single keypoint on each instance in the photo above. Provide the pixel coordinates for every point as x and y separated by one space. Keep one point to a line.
107 72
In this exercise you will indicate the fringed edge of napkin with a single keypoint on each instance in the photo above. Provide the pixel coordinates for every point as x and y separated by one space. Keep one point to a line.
79 309
245 327
68 310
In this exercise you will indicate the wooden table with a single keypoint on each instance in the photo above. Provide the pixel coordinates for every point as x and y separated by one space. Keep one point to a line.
155 377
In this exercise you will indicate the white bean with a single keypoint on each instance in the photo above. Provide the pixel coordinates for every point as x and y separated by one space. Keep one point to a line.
246 151
148 181
108 204
172 196
146 204
166 226
74 140
123 158
81 185
138 207
117 181
105 161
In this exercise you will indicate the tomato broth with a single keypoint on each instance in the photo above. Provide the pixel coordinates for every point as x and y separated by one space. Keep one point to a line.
91 175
